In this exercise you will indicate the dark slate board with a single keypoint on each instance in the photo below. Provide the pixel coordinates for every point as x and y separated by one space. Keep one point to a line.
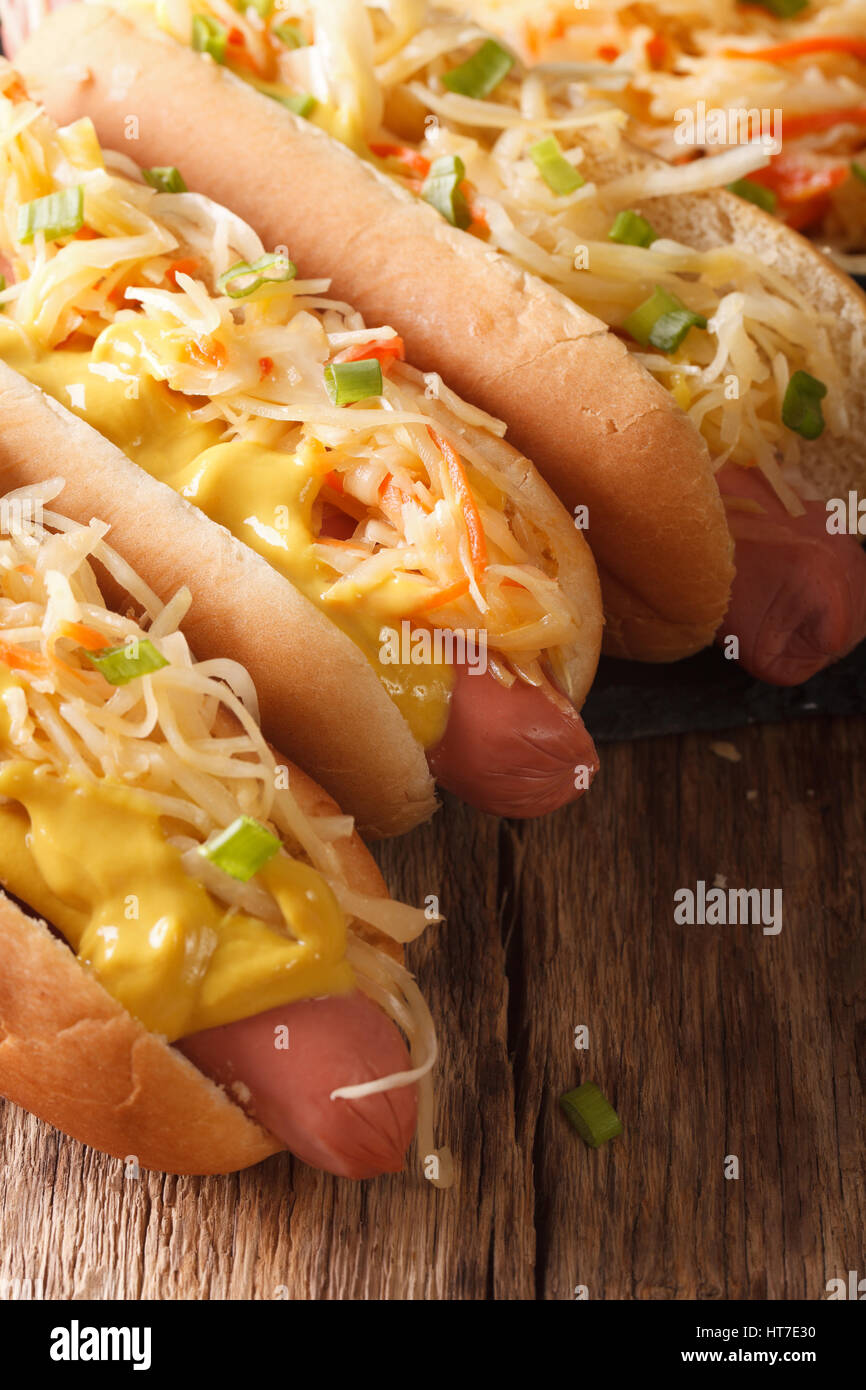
632 700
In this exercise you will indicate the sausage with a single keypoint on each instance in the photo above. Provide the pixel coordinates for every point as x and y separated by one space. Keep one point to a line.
339 1041
799 597
511 750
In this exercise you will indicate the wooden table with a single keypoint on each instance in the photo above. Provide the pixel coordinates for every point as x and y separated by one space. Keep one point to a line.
711 1041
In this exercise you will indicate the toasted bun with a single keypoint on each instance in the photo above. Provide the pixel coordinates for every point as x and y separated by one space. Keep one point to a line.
328 709
834 463
602 432
73 1056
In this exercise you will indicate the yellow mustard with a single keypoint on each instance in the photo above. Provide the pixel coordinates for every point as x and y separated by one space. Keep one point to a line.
90 857
263 496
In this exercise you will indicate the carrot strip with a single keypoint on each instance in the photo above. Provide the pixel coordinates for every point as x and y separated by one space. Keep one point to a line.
443 597
86 637
208 352
187 265
656 50
466 502
802 48
404 154
385 352
810 122
20 659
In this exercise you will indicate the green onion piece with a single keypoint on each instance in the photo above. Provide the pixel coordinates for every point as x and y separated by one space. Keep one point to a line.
662 320
242 278
482 73
858 170
630 229
593 1117
554 168
56 215
118 668
242 848
441 189
302 103
801 408
165 178
783 8
346 382
754 193
290 35
209 36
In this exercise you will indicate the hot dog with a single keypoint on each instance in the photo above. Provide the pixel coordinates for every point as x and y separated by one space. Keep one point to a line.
355 529
799 596
213 897
711 296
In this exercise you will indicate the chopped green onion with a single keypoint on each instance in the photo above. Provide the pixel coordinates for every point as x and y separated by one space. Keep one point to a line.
165 178
346 382
630 229
119 667
233 281
858 170
441 189
593 1117
754 193
662 320
291 35
302 103
482 73
783 8
242 848
209 36
801 408
554 168
56 215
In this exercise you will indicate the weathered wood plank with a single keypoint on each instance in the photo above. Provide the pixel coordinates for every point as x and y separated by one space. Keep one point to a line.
710 1040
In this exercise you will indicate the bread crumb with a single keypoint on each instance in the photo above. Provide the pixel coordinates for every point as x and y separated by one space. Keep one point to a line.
720 881
241 1093
752 794
726 751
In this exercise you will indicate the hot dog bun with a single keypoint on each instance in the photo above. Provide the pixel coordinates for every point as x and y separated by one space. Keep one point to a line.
602 432
332 714
73 1056
832 463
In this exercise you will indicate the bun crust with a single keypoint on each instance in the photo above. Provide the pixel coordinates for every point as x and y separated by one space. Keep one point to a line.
601 431
73 1056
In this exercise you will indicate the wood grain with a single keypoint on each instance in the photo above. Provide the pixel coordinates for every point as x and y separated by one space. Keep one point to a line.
711 1041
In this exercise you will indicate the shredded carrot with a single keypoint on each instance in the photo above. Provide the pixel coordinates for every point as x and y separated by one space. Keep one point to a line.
809 122
802 48
206 352
608 52
386 352
466 502
25 569
443 596
187 265
240 54
656 50
266 366
20 659
86 234
86 637
335 480
794 182
418 163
